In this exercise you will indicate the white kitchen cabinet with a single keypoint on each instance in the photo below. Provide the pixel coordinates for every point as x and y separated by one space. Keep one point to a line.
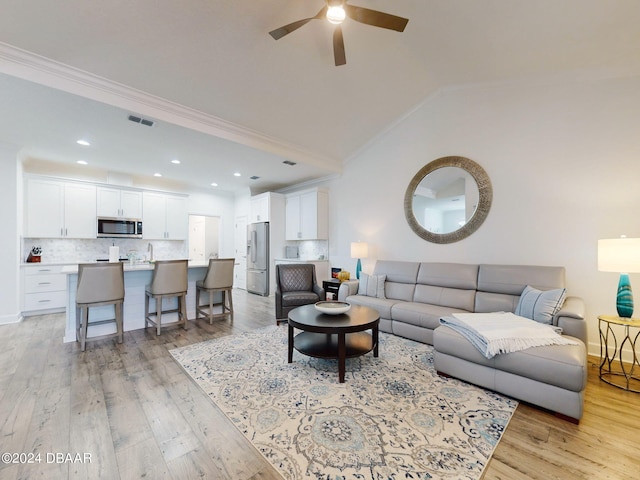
260 207
164 217
56 209
44 288
115 202
307 215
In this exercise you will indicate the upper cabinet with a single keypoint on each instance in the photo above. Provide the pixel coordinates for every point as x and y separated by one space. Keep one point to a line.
307 215
56 209
115 202
164 217
262 206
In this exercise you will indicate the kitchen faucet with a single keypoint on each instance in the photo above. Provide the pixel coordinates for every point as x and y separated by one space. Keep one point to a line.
150 250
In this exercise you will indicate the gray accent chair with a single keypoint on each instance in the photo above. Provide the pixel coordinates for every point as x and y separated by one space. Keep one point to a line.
99 284
169 280
295 286
218 280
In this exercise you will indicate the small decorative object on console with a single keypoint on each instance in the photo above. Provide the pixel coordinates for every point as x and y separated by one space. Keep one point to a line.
344 276
333 308
35 255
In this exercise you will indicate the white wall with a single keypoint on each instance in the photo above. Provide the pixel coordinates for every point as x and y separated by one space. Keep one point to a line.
564 162
11 211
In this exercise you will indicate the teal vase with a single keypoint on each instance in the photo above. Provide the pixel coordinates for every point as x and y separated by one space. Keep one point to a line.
359 269
624 299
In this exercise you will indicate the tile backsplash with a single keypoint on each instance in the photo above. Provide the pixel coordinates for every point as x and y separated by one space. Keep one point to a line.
311 249
56 250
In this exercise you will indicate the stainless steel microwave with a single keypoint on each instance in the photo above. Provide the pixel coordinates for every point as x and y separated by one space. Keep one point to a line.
119 227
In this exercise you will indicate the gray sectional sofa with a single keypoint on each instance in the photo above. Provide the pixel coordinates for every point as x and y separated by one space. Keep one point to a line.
411 297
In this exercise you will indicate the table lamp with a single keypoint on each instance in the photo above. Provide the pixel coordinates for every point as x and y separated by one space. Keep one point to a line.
620 255
359 250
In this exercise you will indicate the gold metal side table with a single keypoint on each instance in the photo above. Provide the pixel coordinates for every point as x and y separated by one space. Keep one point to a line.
613 370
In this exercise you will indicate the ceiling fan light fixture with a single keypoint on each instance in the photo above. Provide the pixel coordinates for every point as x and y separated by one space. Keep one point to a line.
336 14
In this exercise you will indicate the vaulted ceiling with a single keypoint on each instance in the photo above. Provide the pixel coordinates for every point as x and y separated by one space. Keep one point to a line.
226 96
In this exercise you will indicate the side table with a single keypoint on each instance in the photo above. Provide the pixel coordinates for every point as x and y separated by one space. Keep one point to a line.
332 287
614 371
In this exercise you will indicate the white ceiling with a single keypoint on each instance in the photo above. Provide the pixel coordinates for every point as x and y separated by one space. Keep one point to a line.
210 65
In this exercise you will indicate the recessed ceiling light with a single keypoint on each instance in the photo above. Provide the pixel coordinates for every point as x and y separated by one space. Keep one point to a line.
289 162
254 177
82 142
175 161
157 174
82 162
237 174
214 184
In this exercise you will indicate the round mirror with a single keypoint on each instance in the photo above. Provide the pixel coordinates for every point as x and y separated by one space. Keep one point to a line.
448 199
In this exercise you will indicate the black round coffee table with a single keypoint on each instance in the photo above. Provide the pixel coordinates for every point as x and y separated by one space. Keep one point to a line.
334 336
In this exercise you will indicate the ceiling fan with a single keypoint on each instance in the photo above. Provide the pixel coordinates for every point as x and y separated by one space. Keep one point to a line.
335 11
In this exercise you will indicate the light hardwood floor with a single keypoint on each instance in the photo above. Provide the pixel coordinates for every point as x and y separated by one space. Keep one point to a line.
138 415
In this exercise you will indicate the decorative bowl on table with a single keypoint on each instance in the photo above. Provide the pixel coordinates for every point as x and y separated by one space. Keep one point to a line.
333 307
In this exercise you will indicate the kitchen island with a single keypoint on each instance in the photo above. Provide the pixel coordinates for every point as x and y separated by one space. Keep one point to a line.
136 278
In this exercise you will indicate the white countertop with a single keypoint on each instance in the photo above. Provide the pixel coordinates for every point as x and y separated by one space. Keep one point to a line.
142 266
301 260
44 264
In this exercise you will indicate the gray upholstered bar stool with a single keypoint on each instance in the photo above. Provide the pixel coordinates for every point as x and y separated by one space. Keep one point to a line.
99 284
219 278
169 280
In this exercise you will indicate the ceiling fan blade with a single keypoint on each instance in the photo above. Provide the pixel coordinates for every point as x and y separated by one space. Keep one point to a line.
375 18
278 33
338 47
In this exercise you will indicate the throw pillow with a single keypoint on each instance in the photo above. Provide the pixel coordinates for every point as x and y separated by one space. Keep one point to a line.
372 285
540 306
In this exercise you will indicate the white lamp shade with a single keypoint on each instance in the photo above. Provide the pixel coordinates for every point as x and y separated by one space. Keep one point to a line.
621 255
359 250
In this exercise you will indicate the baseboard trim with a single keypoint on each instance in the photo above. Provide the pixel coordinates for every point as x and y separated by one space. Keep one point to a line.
8 319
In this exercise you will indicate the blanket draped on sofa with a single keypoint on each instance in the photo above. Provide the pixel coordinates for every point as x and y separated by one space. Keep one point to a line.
503 332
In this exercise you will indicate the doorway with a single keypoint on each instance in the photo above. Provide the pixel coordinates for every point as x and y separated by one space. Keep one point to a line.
240 270
204 237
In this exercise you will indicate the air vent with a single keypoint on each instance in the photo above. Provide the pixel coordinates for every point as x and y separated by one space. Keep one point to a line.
141 121
289 162
255 177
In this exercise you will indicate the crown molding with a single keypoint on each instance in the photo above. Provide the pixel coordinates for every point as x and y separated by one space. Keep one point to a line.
38 69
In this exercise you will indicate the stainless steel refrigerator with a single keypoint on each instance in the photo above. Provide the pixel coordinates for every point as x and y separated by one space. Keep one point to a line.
258 258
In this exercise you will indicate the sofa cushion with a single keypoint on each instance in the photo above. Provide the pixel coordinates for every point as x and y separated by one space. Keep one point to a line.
401 278
381 305
495 302
450 275
512 279
299 298
399 291
421 314
561 365
372 285
398 272
445 297
540 305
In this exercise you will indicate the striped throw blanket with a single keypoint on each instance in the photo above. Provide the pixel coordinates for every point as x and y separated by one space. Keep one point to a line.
503 332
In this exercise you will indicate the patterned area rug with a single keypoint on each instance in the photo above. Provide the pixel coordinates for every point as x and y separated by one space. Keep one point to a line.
393 418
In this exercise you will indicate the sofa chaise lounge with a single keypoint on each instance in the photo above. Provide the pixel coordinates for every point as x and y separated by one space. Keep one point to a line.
412 297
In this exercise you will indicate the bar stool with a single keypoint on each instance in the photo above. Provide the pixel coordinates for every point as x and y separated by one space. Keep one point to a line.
219 278
169 280
99 284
